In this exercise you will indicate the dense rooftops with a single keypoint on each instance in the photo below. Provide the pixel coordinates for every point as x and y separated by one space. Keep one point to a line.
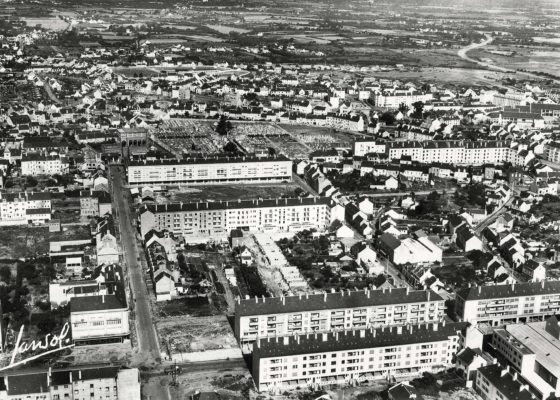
240 204
515 290
355 339
329 301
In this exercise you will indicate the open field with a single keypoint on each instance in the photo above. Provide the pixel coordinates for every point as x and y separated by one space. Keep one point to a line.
23 242
203 333
238 191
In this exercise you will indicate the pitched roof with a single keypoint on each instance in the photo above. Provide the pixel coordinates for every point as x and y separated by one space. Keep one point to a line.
337 300
355 339
506 291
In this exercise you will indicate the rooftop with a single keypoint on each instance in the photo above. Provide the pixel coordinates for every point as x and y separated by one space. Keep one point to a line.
329 301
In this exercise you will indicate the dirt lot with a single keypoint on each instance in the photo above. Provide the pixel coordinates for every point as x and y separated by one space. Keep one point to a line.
216 193
23 242
204 333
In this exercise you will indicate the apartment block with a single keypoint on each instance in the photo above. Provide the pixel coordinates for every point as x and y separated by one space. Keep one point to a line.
458 152
552 152
99 319
269 317
214 220
75 383
213 169
24 207
494 382
395 99
95 203
36 164
532 350
503 304
350 357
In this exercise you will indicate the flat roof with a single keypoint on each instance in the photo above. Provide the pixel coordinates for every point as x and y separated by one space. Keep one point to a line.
539 341
506 291
217 159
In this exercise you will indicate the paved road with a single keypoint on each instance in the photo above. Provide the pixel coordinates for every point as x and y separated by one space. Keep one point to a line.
450 190
147 338
211 366
492 217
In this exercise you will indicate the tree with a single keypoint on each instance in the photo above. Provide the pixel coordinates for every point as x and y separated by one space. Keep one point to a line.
403 108
388 118
30 181
5 274
224 126
418 109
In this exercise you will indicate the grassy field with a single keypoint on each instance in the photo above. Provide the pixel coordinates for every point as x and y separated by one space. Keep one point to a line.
23 242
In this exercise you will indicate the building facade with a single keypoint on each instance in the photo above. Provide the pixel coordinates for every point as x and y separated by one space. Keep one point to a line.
34 165
502 304
211 170
76 383
99 319
349 357
277 316
24 207
214 220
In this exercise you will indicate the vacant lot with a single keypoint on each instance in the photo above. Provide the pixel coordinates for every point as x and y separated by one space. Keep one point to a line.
243 192
23 242
203 333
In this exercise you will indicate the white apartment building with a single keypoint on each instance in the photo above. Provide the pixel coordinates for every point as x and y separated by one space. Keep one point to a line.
502 304
75 383
99 319
552 152
494 382
24 207
532 350
350 357
458 152
365 146
215 220
394 100
35 164
215 169
287 315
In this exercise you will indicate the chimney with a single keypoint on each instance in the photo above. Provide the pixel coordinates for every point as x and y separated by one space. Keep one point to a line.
325 337
286 340
436 326
479 289
504 371
515 376
513 286
258 343
256 300
325 297
399 330
264 299
283 300
103 298
362 333
407 290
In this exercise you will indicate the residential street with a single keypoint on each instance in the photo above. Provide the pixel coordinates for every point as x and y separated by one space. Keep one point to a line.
146 334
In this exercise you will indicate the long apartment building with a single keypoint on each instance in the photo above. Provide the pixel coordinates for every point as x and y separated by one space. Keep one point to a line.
504 304
24 207
461 152
74 383
349 357
268 317
202 221
395 99
212 169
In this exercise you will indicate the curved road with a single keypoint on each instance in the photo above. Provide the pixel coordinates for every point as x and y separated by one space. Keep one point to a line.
491 66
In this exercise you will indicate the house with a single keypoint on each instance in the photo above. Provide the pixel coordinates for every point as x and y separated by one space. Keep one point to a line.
469 361
534 269
467 240
107 248
409 249
403 391
244 256
164 286
344 231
